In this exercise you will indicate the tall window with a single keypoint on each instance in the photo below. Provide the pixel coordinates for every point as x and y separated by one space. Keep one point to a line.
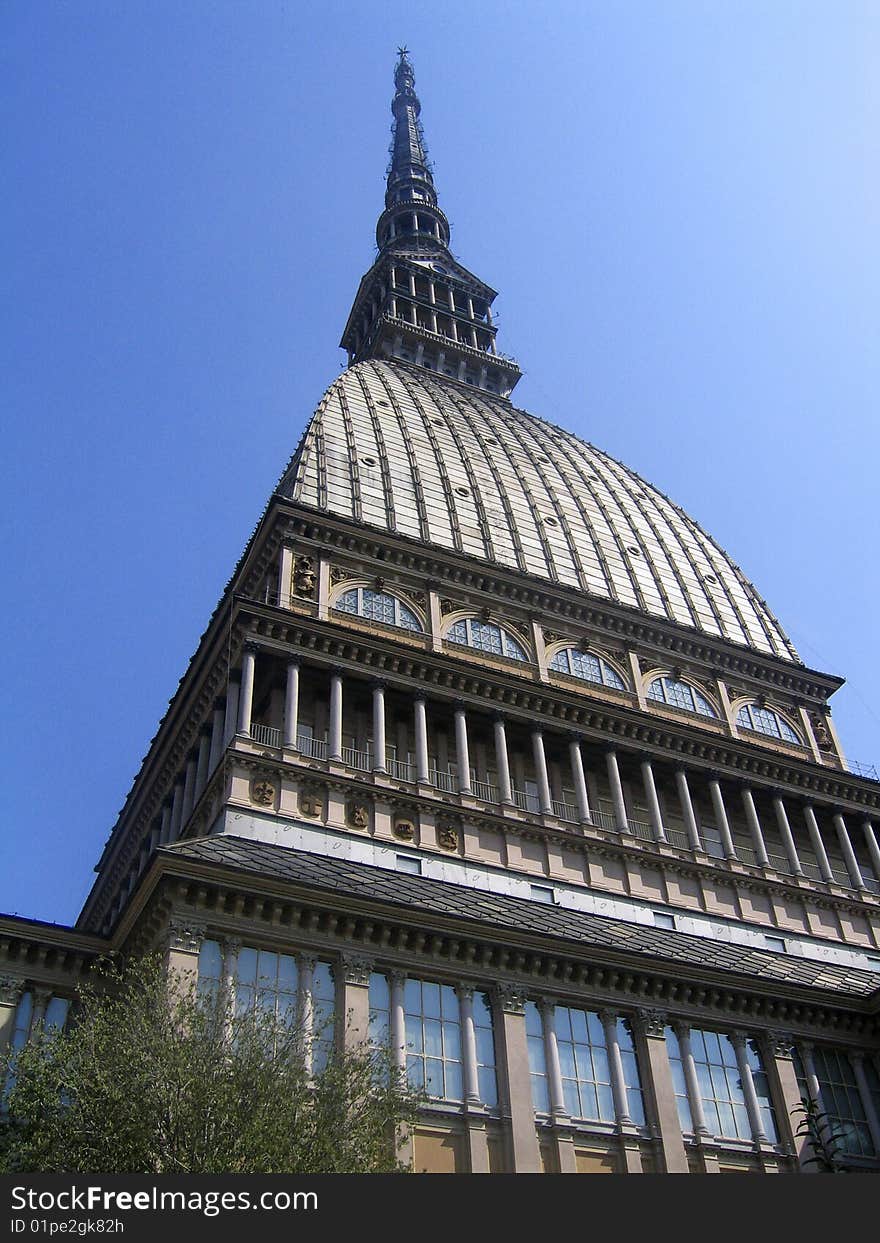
680 694
270 982
585 1066
55 1016
841 1100
765 721
587 667
486 637
432 1021
721 1090
378 606
433 1039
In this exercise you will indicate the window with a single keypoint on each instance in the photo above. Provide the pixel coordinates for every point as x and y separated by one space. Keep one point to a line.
777 944
486 637
587 667
662 920
378 606
542 893
721 1091
584 1063
406 863
679 694
485 1041
433 1039
841 1100
54 1016
766 721
262 979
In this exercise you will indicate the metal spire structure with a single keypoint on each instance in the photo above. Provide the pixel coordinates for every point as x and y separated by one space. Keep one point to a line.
417 303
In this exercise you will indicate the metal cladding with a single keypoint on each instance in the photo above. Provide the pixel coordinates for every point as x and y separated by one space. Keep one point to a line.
401 450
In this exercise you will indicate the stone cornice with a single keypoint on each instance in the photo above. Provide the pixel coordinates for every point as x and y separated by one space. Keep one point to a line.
550 599
281 912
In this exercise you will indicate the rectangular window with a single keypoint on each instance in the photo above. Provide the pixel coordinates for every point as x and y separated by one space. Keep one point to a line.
410 865
841 1100
537 1059
433 1039
583 1056
720 1085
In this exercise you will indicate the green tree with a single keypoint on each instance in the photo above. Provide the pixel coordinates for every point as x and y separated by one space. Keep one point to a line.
159 1080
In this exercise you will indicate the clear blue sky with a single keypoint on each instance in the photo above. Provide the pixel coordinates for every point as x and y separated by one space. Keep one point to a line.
677 199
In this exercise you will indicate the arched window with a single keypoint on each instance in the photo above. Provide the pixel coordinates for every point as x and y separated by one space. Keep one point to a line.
765 721
486 637
678 694
588 667
378 606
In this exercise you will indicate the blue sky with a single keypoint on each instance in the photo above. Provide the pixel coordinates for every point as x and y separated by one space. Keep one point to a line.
677 200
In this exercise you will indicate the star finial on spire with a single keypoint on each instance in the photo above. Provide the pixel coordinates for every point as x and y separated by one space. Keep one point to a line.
403 52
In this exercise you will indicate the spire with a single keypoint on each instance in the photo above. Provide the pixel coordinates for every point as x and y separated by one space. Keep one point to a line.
417 302
409 174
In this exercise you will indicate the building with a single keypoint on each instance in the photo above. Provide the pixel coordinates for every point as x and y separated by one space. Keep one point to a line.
499 756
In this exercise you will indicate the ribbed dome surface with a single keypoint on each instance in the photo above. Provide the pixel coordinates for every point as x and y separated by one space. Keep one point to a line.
399 449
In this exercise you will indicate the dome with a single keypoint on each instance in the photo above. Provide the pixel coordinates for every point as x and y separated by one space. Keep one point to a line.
401 450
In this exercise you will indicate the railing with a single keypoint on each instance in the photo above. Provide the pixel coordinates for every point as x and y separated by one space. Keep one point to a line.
747 855
526 802
265 735
565 811
443 781
401 771
678 838
639 829
316 748
779 863
485 791
603 820
864 770
353 758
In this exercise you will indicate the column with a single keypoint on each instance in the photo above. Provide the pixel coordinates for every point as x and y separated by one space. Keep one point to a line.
873 848
185 938
544 799
355 1003
231 715
42 997
617 798
787 836
654 1061
462 754
580 781
755 829
849 855
291 708
805 1049
857 1059
335 747
502 762
653 801
786 1092
551 1057
165 829
285 576
202 762
397 980
817 844
695 1099
176 812
305 966
608 1019
738 1040
421 732
10 993
721 816
471 1082
510 1026
189 788
217 733
246 698
380 757
687 809
229 969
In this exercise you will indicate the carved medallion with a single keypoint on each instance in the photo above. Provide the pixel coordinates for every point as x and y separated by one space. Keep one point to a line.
447 836
404 828
263 792
310 803
357 815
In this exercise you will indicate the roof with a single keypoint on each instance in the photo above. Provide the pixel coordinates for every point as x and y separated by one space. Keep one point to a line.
420 896
403 450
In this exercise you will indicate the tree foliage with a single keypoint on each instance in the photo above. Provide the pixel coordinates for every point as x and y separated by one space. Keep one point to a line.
822 1137
160 1080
